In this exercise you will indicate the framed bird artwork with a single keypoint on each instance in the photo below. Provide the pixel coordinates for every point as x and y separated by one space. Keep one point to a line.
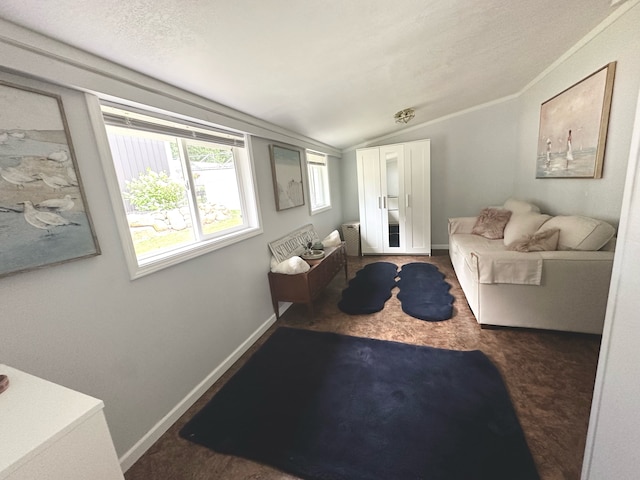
44 219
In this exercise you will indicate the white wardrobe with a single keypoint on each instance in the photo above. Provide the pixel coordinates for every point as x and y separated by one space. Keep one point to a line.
394 192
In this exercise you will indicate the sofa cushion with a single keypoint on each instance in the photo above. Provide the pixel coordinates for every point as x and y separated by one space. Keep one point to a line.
522 224
544 241
520 206
461 224
580 233
491 222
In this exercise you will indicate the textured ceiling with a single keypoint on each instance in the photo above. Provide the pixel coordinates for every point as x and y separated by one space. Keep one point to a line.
333 70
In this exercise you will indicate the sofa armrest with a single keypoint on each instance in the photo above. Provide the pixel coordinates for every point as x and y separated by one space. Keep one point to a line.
578 255
461 224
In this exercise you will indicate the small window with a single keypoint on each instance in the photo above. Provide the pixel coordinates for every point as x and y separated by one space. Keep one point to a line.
318 172
185 187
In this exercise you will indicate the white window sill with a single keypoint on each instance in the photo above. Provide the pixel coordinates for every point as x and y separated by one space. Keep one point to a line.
320 210
160 262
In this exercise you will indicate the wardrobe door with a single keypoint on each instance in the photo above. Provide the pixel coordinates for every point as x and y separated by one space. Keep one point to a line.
417 197
370 200
391 179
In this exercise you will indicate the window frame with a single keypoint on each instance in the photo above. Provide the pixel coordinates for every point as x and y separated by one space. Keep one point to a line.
313 210
247 189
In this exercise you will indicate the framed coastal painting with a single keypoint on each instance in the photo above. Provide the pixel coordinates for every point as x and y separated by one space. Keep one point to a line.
573 128
286 168
44 218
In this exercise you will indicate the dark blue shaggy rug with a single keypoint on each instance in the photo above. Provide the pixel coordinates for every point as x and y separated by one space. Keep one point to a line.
423 292
369 289
326 406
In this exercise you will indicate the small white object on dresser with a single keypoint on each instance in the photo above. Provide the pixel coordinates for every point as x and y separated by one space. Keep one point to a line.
48 431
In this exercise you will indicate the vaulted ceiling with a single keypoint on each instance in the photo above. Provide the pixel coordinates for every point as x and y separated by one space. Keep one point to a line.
333 70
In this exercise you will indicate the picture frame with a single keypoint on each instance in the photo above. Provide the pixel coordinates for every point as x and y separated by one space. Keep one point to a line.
286 168
573 128
44 218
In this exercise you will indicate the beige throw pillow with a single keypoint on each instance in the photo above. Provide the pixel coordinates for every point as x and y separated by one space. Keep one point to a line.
520 206
544 241
522 224
580 233
491 222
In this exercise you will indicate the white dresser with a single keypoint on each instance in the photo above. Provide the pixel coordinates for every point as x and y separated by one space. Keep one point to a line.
49 432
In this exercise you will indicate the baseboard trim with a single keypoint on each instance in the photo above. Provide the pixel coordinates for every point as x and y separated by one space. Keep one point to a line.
440 247
152 436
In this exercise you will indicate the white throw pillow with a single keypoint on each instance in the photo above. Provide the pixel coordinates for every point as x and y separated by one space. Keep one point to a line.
331 240
291 266
580 233
520 206
522 224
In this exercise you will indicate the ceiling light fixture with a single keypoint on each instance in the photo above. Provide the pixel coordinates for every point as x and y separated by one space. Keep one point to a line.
403 116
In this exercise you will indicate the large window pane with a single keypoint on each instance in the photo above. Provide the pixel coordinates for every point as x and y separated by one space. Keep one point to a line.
216 186
153 188
182 185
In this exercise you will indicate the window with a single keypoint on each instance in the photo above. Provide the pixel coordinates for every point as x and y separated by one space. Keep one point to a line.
318 172
186 188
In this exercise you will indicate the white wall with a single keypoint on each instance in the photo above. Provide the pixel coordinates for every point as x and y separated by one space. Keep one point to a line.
141 346
482 156
598 198
613 440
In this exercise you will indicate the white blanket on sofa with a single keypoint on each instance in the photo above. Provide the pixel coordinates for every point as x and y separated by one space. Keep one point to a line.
494 264
509 267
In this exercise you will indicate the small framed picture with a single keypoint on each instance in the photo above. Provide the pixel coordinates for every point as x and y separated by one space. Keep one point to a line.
286 167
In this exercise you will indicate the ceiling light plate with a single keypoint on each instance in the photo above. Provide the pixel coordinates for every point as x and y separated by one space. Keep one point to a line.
404 116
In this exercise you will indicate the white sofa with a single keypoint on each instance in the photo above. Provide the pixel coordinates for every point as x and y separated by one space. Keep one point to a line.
565 289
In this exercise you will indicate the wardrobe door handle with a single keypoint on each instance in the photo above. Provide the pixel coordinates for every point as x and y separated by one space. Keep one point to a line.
384 201
379 202
407 203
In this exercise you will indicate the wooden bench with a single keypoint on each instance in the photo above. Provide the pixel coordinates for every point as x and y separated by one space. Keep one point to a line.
305 287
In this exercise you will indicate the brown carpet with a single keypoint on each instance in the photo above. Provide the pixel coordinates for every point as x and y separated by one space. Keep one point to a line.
549 375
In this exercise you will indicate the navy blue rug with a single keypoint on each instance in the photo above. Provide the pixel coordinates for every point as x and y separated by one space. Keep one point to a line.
369 289
423 292
326 406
